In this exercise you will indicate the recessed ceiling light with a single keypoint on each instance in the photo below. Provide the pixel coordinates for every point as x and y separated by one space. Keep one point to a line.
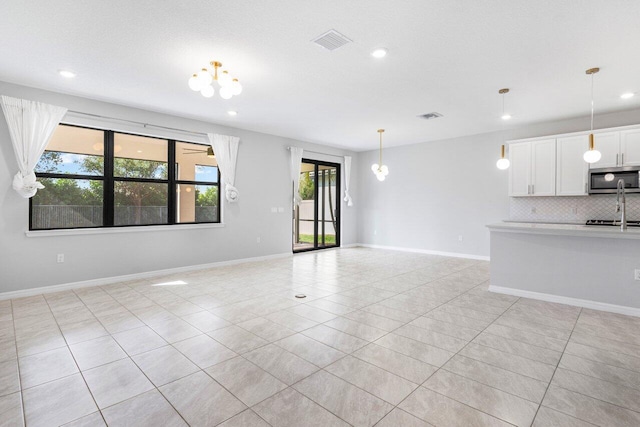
379 53
506 117
232 113
627 95
67 74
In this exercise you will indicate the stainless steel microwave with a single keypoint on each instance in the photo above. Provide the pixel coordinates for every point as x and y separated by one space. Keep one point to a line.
605 180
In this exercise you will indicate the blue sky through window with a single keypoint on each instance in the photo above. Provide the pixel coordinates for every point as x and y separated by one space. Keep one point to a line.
206 173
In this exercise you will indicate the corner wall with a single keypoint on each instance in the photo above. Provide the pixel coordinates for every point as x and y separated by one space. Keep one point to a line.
262 180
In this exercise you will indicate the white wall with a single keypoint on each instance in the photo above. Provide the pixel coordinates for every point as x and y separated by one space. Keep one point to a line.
262 179
438 191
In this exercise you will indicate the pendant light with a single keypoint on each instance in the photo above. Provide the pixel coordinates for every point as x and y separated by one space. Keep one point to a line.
503 163
379 169
592 155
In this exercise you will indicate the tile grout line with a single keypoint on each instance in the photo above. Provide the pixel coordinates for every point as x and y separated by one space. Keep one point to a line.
74 359
558 364
15 341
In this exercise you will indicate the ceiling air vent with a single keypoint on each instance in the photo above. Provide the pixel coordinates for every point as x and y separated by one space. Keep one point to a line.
430 116
331 40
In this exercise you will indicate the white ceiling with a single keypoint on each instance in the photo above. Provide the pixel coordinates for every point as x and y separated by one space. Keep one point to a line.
449 56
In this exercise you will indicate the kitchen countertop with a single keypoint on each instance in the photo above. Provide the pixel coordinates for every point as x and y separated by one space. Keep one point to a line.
578 230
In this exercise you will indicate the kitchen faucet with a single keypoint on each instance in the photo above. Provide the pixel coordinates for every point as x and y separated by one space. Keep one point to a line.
621 205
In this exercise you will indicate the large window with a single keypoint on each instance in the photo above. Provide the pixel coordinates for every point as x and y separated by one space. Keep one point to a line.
96 178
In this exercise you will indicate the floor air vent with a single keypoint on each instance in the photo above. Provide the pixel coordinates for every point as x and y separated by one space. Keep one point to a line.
430 116
331 40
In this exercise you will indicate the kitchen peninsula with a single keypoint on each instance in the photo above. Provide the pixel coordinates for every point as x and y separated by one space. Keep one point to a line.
587 266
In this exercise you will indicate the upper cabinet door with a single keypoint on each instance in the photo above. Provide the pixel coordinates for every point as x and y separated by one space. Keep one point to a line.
543 167
630 147
519 170
609 145
571 169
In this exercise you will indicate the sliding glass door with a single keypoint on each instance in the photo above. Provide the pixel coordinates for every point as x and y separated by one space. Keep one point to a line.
316 222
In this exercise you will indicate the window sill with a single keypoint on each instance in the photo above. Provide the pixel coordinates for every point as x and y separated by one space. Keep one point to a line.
116 230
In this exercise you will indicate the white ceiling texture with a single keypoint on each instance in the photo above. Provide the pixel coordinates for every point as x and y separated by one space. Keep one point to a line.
448 56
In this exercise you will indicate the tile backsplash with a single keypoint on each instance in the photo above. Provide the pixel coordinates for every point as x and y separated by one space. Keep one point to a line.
570 209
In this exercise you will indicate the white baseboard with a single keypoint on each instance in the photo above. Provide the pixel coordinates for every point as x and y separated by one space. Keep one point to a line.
143 275
426 251
602 306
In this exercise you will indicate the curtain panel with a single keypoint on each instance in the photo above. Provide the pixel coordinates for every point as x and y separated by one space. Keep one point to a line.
225 149
295 166
31 125
347 178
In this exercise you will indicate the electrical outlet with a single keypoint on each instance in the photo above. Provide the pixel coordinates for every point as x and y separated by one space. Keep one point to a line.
574 211
257 239
274 210
637 274
533 210
60 258
280 209
460 238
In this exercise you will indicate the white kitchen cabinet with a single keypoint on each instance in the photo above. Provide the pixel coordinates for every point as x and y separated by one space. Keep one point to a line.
571 169
608 144
533 168
520 169
630 147
618 148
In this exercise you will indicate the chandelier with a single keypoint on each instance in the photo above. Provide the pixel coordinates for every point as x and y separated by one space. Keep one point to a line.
379 169
202 82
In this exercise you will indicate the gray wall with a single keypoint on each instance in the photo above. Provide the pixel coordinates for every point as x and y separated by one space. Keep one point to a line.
583 268
262 179
438 191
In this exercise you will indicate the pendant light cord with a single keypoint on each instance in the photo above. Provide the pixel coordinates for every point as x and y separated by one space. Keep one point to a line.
380 164
592 104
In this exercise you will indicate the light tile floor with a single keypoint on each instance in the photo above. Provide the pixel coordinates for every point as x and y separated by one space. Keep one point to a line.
383 338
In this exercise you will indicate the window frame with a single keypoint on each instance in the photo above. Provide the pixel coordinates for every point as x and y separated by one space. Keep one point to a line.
108 187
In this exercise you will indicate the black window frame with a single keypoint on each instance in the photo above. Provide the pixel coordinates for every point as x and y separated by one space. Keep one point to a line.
108 187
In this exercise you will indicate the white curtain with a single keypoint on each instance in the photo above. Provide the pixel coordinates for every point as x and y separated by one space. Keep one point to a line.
31 125
225 149
296 164
347 178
